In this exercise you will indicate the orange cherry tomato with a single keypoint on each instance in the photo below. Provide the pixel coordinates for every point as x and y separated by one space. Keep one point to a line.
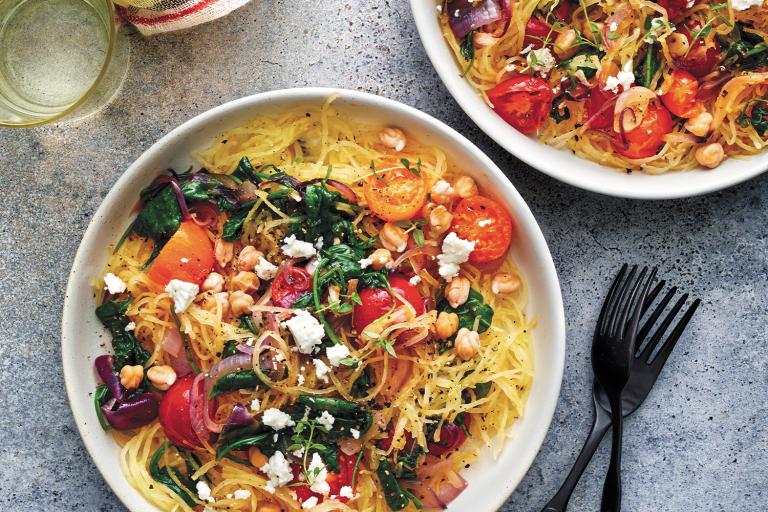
523 101
680 98
395 193
188 256
486 222
645 139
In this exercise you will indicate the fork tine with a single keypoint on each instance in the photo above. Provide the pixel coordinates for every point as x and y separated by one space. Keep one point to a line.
619 300
652 296
627 307
639 306
603 318
648 325
669 345
656 338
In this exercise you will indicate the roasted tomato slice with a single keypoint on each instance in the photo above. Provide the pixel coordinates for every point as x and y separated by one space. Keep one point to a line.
174 414
395 193
599 108
334 480
376 302
291 284
645 139
523 101
676 9
487 223
703 56
535 32
188 256
680 97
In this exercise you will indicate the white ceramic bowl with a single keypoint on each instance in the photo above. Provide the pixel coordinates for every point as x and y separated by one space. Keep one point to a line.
83 338
561 163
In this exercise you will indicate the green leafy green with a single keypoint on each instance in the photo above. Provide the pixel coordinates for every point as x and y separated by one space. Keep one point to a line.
246 322
100 397
126 348
397 497
745 50
471 312
407 462
262 440
243 379
163 476
233 228
467 51
757 116
646 71
159 218
230 349
348 415
362 385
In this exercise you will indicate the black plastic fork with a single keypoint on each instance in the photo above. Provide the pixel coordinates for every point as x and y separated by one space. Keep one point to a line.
645 369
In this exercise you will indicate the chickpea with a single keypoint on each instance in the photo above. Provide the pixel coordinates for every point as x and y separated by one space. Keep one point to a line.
439 220
446 324
131 376
211 302
442 192
565 44
269 507
481 39
380 258
467 343
247 282
465 187
699 125
393 238
457 291
240 303
393 138
162 377
678 44
711 155
505 283
257 457
248 258
223 251
213 283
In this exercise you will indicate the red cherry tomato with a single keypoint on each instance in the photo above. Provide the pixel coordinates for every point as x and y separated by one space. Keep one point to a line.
601 115
680 98
535 31
645 139
487 223
334 480
523 101
564 10
377 302
676 9
386 443
174 414
703 56
187 256
290 284
452 436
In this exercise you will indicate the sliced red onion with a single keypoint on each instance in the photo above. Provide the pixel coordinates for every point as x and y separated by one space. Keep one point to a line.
135 412
179 194
198 408
239 417
466 15
245 349
343 189
449 487
105 368
228 365
287 181
247 191
204 214
173 345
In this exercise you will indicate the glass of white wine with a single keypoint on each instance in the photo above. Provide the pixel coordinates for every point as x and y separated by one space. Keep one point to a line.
59 59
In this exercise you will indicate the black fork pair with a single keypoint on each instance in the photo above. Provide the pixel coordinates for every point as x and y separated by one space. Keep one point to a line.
625 369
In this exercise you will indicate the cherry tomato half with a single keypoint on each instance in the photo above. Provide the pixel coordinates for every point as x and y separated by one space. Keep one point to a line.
395 193
676 9
535 31
601 115
523 101
703 56
376 302
564 10
487 223
452 436
645 139
291 284
680 98
334 480
188 256
174 414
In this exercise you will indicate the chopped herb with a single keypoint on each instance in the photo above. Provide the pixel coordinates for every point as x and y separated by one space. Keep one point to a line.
467 51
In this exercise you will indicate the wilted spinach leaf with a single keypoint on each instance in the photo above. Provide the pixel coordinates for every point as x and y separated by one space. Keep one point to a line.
471 310
126 347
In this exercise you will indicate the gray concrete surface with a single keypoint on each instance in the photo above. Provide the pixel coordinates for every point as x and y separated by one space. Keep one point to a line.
698 443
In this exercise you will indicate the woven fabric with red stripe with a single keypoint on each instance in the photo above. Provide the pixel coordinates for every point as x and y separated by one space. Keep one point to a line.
169 15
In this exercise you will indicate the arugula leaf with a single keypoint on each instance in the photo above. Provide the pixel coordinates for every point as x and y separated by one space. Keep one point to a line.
472 310
163 476
397 497
126 348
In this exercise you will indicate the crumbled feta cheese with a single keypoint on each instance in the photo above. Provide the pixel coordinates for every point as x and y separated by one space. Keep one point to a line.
306 331
336 353
298 453
439 7
456 13
355 433
276 419
312 266
278 469
265 270
484 222
309 503
510 67
255 405
326 420
442 187
184 260
294 248
415 280
625 78
541 60
690 4
242 494
204 491
130 326
365 263
321 369
455 251
319 243
346 491
301 379
743 5
275 437
182 293
317 475
114 284
526 49
613 27
279 357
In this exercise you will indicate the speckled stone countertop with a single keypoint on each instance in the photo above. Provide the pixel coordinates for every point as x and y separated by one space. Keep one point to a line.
700 442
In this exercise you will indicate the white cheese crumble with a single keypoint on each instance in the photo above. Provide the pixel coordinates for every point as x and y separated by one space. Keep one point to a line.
306 331
130 326
326 419
355 433
294 248
346 491
365 263
319 243
415 280
204 492
242 494
182 293
276 419
278 470
625 78
613 27
743 5
336 353
114 284
317 475
321 369
442 187
312 266
309 503
301 379
265 270
541 60
255 405
455 251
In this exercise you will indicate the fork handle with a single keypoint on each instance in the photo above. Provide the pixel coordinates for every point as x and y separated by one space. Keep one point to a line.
600 425
612 488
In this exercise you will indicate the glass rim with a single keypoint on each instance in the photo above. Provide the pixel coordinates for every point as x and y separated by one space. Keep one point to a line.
112 33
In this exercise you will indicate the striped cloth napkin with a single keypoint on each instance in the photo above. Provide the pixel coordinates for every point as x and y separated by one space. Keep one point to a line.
158 16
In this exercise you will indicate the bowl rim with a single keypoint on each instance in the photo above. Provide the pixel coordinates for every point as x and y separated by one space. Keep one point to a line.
553 296
672 185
